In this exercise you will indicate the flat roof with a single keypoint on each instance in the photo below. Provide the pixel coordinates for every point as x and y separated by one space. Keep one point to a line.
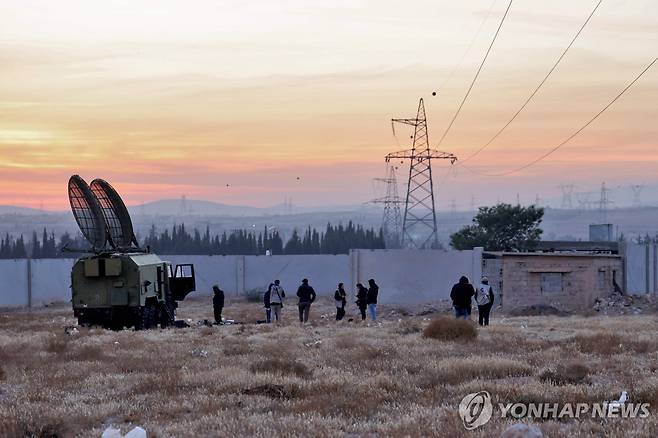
549 254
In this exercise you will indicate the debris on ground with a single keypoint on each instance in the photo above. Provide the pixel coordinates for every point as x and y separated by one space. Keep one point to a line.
313 343
111 432
204 322
71 330
522 430
619 304
198 352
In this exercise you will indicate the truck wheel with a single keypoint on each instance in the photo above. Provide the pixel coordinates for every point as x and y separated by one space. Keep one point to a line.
149 317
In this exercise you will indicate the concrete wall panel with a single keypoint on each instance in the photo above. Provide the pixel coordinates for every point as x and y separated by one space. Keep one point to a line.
13 283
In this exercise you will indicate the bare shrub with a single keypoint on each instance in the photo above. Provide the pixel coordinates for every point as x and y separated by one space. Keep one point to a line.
450 329
86 353
606 344
57 345
3 375
206 331
569 374
235 347
254 295
408 327
345 342
282 367
271 390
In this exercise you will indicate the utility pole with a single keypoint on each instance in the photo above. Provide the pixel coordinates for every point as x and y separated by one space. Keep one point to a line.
567 195
419 223
392 219
604 201
637 191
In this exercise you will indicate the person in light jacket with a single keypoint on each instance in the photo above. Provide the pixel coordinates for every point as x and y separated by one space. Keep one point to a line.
484 297
277 295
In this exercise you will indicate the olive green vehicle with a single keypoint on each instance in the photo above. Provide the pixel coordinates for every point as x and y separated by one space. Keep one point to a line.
128 290
118 284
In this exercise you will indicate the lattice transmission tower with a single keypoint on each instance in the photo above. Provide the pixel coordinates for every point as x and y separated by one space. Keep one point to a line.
392 218
637 195
419 222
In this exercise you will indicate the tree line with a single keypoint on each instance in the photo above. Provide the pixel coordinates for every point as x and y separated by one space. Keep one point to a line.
179 240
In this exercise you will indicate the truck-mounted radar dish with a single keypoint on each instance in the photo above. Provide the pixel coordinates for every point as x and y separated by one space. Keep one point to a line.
87 213
117 219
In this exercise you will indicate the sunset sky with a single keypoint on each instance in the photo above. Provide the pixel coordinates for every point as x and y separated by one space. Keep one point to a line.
184 97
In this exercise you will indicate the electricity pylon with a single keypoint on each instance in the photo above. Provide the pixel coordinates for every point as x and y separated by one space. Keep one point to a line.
637 192
567 195
392 219
419 223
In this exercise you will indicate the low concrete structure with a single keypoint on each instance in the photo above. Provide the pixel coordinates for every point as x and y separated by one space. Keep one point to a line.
568 282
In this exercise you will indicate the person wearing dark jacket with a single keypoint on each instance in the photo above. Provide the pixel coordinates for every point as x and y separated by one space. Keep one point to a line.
266 304
362 300
484 297
306 296
461 298
340 296
217 303
373 291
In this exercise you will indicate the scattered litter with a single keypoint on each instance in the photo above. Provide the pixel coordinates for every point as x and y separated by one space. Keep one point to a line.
324 316
614 405
618 304
71 330
313 344
111 432
116 342
198 352
205 322
428 311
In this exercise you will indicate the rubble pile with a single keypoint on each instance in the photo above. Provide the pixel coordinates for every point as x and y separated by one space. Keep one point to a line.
619 304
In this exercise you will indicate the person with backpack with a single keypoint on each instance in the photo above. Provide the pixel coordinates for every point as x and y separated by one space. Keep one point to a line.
461 295
306 296
217 303
340 296
266 304
362 300
484 297
277 295
373 291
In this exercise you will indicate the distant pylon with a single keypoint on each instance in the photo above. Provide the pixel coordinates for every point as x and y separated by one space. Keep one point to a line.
567 195
419 223
637 192
583 200
604 201
183 204
392 219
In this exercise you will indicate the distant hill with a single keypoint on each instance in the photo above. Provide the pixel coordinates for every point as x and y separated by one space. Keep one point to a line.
11 209
176 207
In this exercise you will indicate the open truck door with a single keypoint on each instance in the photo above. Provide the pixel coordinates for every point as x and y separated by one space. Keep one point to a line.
182 281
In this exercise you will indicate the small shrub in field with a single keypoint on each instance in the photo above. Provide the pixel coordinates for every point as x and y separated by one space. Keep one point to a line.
282 367
3 376
573 374
408 326
270 390
450 329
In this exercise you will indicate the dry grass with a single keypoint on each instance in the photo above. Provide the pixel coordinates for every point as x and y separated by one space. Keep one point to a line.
569 374
451 329
326 379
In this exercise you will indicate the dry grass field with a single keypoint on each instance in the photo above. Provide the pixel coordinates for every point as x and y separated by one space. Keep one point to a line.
324 379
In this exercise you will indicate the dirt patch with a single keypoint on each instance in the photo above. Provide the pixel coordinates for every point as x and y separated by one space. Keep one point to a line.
282 367
270 390
569 374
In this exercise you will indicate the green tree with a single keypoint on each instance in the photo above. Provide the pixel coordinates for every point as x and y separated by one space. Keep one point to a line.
502 227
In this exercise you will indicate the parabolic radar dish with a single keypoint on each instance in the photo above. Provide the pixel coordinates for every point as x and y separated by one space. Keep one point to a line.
87 212
115 213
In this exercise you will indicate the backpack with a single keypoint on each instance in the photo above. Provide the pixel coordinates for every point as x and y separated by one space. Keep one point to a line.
482 295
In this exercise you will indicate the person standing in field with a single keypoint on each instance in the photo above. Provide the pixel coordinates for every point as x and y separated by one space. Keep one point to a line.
373 291
484 297
340 296
266 304
277 295
306 296
217 303
461 295
362 300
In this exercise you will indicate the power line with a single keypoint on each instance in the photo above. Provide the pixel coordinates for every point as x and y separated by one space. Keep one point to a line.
559 59
578 131
476 75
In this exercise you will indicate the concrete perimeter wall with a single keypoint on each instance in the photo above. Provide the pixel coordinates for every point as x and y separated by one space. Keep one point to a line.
641 267
404 276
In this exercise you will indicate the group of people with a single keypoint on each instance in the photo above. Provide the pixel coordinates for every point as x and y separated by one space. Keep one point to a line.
462 294
366 299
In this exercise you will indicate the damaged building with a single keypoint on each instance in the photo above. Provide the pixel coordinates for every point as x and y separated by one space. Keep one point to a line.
561 275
